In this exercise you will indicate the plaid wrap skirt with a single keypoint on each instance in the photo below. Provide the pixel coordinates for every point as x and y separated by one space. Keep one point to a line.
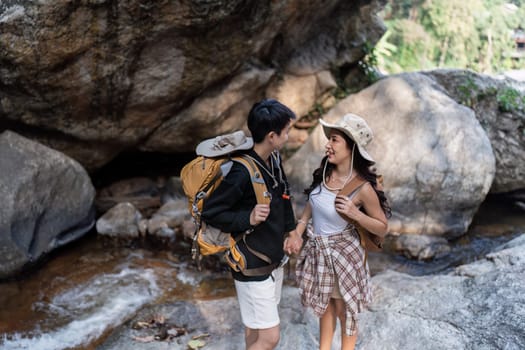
323 258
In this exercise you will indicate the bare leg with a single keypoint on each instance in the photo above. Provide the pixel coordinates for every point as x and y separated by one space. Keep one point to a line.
327 325
250 336
347 341
264 339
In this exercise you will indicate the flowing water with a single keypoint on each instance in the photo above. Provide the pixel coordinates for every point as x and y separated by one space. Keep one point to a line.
86 289
495 223
83 291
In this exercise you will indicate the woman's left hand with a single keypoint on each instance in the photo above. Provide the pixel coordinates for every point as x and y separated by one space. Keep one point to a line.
346 207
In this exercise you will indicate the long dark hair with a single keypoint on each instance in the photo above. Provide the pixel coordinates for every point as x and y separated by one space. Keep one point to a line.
364 169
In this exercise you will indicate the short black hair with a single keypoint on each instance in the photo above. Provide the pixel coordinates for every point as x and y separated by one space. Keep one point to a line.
266 116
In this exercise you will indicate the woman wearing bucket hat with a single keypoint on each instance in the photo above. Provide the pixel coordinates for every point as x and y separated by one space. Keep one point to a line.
332 271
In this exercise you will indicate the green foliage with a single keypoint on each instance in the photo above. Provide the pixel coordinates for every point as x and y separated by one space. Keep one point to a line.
474 34
369 63
452 26
510 99
468 92
488 92
384 52
317 111
411 44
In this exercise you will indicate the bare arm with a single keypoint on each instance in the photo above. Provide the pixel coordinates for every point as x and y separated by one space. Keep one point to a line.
374 220
303 221
294 241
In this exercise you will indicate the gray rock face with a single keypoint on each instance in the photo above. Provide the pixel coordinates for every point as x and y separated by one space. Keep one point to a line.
499 105
479 306
221 320
437 161
121 221
47 201
117 75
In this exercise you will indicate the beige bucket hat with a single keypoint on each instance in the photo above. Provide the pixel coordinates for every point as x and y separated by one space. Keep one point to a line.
224 144
354 127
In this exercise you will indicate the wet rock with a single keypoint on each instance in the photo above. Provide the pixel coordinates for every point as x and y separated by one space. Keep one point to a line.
144 193
421 247
170 215
121 221
46 202
172 189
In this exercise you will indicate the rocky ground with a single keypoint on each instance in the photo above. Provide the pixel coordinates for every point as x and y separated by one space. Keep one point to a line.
477 306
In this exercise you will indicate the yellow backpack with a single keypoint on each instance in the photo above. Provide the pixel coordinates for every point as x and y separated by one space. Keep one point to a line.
200 178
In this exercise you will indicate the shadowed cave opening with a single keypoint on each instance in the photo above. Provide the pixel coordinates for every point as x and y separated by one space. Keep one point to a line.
140 164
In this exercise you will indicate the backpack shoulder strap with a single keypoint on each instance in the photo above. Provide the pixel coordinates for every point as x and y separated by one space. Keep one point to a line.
259 186
354 184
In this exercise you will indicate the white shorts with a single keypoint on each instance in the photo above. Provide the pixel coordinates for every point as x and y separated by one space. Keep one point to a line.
259 300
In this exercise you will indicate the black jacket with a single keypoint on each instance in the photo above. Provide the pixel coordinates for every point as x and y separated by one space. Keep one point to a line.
230 205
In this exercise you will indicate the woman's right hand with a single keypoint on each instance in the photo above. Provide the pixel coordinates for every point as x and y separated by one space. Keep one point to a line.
293 243
259 214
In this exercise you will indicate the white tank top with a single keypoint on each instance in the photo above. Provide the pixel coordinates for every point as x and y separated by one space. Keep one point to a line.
326 220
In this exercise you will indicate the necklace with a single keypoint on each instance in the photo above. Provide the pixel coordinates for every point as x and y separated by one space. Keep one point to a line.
336 188
346 179
272 175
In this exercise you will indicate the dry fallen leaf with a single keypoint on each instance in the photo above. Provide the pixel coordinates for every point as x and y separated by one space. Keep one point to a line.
146 339
204 335
141 324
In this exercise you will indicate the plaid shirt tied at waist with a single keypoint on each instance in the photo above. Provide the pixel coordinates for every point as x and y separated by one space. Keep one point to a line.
321 260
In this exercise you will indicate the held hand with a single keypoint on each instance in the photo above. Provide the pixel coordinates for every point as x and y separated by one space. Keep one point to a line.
259 214
293 243
346 207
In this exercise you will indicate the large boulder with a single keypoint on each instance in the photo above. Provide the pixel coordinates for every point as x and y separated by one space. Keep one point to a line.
107 76
499 104
47 202
437 160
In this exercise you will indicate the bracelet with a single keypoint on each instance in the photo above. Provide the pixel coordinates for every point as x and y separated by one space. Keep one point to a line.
300 221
